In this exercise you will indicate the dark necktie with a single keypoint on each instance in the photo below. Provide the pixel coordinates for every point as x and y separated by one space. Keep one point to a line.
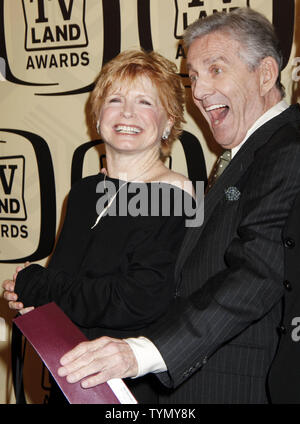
220 166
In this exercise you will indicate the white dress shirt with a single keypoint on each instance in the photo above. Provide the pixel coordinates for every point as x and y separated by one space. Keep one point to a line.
147 355
267 116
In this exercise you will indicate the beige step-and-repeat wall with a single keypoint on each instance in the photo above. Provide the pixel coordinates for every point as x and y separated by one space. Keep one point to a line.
50 53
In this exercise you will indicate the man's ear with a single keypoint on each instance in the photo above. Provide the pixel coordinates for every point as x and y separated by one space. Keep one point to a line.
269 71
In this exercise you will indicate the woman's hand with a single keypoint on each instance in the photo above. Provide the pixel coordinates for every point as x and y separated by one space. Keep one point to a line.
12 297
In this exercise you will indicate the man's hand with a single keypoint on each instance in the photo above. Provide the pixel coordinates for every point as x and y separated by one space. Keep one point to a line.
12 297
100 360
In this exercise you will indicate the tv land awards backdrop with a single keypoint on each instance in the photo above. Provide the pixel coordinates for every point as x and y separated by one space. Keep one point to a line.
50 54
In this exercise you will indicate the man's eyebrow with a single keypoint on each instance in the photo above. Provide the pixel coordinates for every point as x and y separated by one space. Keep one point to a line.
209 61
215 59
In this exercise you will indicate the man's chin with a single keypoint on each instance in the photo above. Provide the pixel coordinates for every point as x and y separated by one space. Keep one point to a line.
222 136
220 139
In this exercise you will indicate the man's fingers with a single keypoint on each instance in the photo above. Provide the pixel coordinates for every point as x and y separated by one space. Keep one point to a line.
98 361
120 364
89 369
100 377
75 353
94 380
82 348
99 370
76 366
83 354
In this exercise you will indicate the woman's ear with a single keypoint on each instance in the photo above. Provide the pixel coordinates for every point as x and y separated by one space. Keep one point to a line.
269 72
167 129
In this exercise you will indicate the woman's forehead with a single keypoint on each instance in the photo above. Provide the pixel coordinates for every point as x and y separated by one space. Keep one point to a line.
140 83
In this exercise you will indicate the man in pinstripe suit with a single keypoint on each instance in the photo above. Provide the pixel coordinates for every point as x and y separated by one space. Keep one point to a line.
217 342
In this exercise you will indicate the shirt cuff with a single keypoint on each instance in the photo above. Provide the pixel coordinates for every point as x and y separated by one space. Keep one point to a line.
147 355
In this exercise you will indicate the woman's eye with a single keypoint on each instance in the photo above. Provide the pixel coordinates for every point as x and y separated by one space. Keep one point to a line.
145 102
114 100
193 78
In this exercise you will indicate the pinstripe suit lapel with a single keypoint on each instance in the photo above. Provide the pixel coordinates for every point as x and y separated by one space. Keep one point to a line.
234 171
231 175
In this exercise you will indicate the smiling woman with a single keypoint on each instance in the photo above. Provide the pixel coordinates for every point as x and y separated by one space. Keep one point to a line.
132 117
146 82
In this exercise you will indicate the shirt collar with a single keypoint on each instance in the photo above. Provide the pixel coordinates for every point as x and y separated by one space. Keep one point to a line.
267 116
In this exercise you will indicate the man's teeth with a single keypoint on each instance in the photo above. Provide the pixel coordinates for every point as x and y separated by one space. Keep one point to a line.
213 107
127 130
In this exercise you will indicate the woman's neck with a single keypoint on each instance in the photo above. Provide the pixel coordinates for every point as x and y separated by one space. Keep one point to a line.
130 167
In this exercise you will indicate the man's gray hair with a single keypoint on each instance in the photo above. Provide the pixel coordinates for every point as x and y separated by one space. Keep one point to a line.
251 29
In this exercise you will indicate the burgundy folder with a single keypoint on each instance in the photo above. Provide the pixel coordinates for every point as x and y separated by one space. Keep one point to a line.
52 334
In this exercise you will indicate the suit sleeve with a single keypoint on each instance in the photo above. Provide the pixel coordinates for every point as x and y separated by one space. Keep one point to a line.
250 285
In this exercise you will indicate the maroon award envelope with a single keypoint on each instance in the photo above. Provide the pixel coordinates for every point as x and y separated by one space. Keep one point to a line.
52 334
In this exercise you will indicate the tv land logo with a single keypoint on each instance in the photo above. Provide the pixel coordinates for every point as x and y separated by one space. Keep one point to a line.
52 25
54 38
12 204
22 193
57 28
53 42
188 11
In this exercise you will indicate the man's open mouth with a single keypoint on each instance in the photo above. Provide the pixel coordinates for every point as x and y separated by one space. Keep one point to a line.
217 113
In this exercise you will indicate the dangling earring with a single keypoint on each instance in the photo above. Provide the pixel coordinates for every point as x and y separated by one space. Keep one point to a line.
98 127
166 134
